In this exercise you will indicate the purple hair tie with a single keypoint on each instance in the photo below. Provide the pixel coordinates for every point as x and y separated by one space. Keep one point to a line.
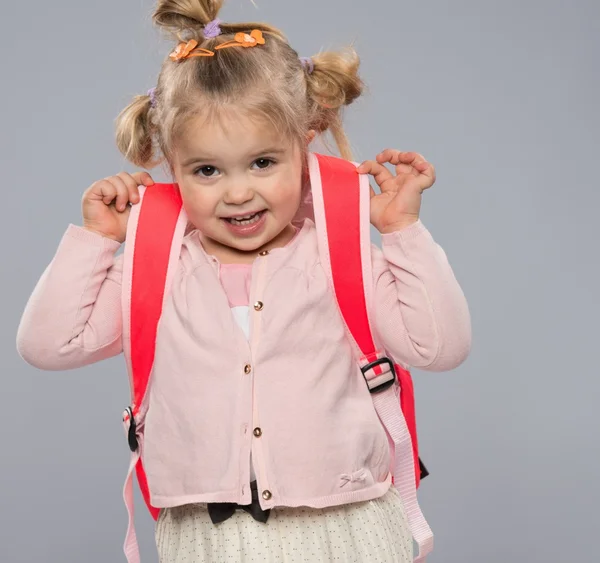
152 94
212 29
308 64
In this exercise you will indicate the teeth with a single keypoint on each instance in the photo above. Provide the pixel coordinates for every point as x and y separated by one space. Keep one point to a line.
246 220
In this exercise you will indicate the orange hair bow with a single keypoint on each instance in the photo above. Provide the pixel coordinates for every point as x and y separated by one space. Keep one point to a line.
244 40
187 50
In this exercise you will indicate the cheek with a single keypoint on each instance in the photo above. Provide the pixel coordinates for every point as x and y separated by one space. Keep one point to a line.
288 192
197 202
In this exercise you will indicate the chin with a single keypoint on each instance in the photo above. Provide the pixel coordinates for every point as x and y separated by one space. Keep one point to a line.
248 245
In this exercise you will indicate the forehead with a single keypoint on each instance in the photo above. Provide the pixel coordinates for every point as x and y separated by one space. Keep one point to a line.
229 134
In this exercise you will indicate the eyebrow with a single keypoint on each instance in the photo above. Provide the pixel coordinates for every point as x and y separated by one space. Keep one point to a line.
198 159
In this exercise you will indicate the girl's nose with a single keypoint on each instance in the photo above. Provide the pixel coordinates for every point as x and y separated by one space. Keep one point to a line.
238 193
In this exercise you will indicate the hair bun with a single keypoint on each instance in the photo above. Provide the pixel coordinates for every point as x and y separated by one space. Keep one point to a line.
186 18
335 81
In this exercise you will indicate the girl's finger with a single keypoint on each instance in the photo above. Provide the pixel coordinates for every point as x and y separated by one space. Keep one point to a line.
122 192
143 179
106 190
132 187
378 171
425 168
407 158
388 155
422 166
397 157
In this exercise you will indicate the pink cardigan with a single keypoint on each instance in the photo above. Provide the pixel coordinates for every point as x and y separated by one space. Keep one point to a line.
291 395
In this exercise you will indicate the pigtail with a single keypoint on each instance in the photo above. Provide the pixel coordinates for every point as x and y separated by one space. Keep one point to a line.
135 132
333 83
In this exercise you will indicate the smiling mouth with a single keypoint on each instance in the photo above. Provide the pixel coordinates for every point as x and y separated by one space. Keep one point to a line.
245 220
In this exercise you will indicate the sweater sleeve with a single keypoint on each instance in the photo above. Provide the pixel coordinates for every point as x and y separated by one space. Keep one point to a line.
420 311
73 317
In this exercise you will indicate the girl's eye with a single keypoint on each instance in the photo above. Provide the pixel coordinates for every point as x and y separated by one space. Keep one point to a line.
263 163
207 171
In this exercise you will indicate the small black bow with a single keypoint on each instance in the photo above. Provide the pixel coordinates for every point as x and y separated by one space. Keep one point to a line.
221 511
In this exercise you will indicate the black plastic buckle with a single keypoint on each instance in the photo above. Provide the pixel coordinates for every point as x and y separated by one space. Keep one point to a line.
423 469
386 384
132 432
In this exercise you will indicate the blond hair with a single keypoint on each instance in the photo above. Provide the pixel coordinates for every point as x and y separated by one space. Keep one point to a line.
268 81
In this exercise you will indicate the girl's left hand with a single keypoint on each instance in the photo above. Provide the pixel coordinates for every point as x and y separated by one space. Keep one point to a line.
399 203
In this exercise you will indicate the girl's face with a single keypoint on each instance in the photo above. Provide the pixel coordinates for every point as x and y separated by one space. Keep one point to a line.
241 183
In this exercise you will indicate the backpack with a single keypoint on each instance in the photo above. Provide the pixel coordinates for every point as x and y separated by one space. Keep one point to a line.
339 204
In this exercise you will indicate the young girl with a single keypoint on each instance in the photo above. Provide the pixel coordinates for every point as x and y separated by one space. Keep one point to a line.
258 407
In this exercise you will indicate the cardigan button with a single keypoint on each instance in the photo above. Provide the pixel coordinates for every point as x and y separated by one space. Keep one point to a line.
247 369
259 306
267 495
258 432
263 253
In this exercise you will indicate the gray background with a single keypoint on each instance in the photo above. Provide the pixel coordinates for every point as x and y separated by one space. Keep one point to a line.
502 97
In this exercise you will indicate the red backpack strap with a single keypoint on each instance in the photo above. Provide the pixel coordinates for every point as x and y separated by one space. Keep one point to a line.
155 232
341 201
154 235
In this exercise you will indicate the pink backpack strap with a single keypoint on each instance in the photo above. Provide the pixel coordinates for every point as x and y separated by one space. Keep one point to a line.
341 205
155 232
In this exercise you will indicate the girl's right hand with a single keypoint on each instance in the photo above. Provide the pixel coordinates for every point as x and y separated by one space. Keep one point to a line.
105 204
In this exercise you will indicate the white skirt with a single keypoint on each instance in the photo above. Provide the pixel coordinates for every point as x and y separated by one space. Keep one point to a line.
375 532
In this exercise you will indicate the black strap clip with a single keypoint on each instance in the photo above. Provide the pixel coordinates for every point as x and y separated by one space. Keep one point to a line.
132 432
384 385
